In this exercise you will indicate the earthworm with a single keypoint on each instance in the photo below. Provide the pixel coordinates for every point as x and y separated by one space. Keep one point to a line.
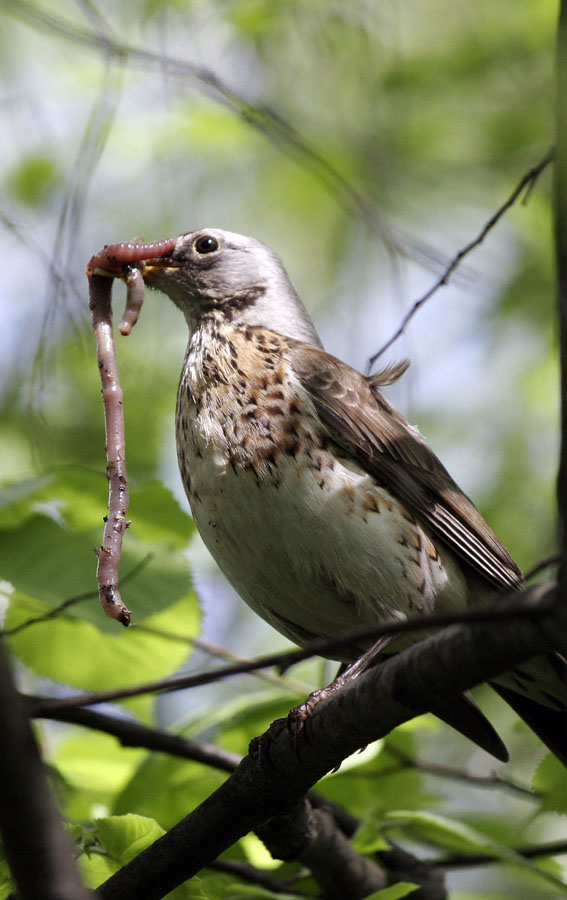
134 299
118 498
126 253
115 260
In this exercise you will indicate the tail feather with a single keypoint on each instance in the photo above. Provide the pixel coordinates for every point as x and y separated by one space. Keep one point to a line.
464 715
549 724
537 691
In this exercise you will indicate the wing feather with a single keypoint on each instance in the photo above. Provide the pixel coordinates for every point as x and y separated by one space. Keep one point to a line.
362 421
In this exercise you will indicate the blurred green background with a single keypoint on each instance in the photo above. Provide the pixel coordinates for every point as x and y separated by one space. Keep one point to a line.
366 143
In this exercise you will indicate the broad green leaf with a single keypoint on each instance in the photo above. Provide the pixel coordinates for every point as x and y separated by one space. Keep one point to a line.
57 522
372 789
95 767
121 839
77 653
550 779
456 836
124 837
166 788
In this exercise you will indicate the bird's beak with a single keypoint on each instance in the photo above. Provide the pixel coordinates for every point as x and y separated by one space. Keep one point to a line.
161 265
148 267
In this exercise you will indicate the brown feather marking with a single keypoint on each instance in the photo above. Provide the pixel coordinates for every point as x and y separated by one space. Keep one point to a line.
368 427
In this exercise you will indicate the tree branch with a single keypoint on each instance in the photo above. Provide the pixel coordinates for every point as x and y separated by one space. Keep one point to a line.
465 861
560 220
132 734
482 781
311 837
279 771
505 609
37 849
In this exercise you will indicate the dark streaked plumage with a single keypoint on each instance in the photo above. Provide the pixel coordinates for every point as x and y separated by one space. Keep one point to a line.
322 505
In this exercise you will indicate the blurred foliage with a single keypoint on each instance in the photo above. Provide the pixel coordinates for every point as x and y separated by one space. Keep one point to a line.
367 143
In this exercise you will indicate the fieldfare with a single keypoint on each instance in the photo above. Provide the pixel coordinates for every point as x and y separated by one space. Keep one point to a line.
323 507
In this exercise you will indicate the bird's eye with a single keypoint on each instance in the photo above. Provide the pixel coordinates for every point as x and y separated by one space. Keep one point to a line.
206 244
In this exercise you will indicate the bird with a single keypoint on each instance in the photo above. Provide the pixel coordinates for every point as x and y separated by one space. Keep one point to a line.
323 507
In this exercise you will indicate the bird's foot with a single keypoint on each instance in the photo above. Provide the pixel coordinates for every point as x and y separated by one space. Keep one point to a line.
299 716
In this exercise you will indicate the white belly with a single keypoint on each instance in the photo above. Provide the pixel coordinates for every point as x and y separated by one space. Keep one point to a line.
318 552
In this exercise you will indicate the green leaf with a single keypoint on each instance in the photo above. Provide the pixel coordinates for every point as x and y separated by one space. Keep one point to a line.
47 553
124 837
369 837
550 779
395 891
121 839
95 767
451 835
78 653
166 788
226 887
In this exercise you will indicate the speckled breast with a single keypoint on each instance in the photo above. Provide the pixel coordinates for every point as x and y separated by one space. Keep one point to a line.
306 536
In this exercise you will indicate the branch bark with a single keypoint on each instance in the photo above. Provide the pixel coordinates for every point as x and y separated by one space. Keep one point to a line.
38 852
560 222
275 779
311 837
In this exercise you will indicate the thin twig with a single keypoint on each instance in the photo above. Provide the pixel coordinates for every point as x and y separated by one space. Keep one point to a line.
218 652
502 613
463 861
525 183
542 565
133 734
482 781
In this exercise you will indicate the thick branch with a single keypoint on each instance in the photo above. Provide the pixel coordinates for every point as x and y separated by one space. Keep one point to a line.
273 781
311 837
37 849
560 214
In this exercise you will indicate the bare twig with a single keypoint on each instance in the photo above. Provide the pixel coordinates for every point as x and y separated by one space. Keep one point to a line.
542 565
525 183
482 781
538 601
219 652
133 734
464 861
36 847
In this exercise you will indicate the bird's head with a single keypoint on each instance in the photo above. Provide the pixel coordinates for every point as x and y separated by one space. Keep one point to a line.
237 276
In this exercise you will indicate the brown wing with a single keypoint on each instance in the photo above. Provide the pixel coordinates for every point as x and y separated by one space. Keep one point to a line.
362 421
